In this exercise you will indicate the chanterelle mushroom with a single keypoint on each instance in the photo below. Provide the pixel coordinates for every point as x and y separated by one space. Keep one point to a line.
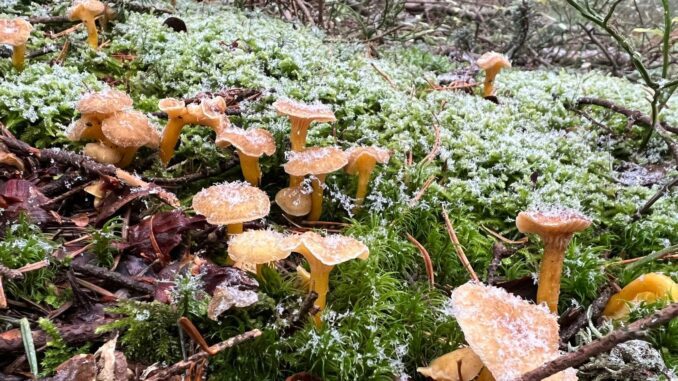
95 107
102 153
361 162
250 144
322 254
301 116
510 335
317 162
210 113
492 63
294 201
231 204
15 32
128 131
647 288
87 11
446 367
555 228
259 247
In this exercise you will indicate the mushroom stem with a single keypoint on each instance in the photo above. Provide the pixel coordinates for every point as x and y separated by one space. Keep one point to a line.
234 229
488 85
363 180
250 168
170 137
317 198
320 282
298 133
127 158
18 57
551 269
92 34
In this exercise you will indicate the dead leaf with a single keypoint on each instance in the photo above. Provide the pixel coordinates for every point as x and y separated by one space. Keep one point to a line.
77 368
226 297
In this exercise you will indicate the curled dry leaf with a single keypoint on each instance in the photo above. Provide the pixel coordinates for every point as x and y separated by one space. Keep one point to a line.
225 297
446 367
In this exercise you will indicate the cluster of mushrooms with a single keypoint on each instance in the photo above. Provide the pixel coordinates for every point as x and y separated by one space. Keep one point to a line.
116 132
15 32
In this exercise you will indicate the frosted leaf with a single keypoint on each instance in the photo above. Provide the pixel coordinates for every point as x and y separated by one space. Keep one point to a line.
226 297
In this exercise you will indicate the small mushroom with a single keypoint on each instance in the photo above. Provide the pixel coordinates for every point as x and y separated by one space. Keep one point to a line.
87 11
102 153
555 228
210 113
99 190
250 144
510 335
446 367
231 204
317 162
301 116
15 32
95 107
128 131
294 201
12 160
259 247
322 254
646 288
361 162
492 63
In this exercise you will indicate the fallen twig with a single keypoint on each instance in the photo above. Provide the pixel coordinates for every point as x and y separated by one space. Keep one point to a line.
596 310
113 277
10 341
306 309
632 331
427 259
648 204
420 193
384 75
457 247
499 252
181 366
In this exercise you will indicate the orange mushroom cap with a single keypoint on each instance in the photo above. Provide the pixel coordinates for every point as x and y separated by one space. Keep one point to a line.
260 246
333 249
231 203
130 129
84 9
80 127
552 222
253 142
172 107
14 32
104 103
356 154
315 161
316 112
102 153
294 201
510 335
493 60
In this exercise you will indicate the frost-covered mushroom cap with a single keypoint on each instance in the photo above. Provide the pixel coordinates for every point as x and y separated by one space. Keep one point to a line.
104 102
213 108
315 161
317 112
356 154
552 222
252 142
294 201
333 249
130 129
231 203
84 9
75 131
494 60
510 335
14 32
172 107
102 153
261 246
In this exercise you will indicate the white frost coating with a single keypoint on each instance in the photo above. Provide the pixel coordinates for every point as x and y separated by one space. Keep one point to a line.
226 297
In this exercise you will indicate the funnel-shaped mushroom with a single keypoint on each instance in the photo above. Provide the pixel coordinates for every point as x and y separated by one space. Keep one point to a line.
322 254
128 131
250 144
301 116
95 107
646 288
294 201
361 162
446 367
231 204
210 113
15 32
556 229
102 153
317 162
492 63
87 11
259 247
510 335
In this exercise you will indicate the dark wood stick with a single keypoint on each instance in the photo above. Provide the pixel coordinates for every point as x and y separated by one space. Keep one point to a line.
10 341
51 20
306 309
597 307
202 174
181 366
661 192
636 116
632 331
113 277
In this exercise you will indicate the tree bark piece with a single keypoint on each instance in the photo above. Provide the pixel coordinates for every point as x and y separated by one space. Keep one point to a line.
113 277
10 341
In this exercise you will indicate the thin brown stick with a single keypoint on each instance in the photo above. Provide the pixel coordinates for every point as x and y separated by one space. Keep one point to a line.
632 331
427 259
420 193
181 366
457 247
384 75
436 145
113 277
